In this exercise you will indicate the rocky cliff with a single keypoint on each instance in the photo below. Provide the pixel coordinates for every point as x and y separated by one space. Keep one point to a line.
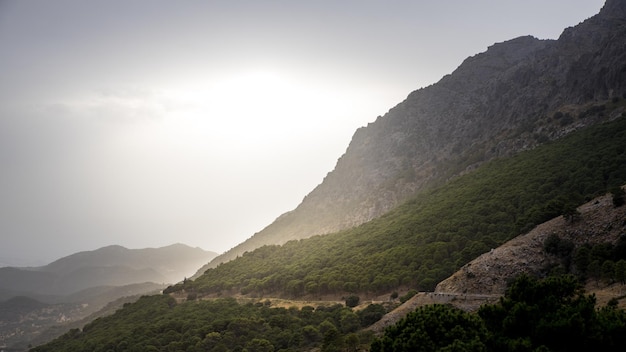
514 96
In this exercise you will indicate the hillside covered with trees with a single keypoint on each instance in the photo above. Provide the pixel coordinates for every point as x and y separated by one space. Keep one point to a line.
516 136
552 314
415 246
431 236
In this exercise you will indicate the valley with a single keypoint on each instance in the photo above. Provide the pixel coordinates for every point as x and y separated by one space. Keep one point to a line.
38 304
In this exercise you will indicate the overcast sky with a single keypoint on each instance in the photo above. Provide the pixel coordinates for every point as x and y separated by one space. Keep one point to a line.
145 123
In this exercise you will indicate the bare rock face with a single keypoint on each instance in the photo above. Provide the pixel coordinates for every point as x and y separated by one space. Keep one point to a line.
490 273
494 104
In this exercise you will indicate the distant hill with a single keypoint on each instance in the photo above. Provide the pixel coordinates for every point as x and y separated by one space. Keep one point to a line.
35 299
107 266
516 95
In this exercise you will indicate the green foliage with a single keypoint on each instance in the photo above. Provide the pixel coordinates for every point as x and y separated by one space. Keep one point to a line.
535 315
553 313
158 323
371 314
557 246
570 213
352 301
602 261
427 239
408 296
434 328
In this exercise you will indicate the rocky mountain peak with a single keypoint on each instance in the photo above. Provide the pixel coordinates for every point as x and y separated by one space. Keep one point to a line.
480 68
494 104
614 9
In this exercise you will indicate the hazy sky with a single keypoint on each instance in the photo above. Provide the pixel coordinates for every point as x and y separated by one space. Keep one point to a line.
145 123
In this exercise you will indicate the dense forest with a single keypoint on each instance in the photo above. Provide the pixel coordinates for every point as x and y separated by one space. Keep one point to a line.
552 314
427 239
158 323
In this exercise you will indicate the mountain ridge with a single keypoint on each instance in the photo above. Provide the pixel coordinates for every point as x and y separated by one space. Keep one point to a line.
107 266
496 103
122 256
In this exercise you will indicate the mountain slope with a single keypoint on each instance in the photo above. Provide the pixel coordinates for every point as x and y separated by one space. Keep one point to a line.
600 222
516 95
429 237
486 278
418 244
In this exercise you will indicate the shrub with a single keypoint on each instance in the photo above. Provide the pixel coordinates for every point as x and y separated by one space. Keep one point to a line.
352 301
408 296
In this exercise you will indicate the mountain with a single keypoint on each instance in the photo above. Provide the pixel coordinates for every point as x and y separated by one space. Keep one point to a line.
516 95
426 239
414 246
107 266
516 136
69 289
116 265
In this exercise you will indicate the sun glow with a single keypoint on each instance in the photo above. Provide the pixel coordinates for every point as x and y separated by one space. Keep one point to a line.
259 109
256 104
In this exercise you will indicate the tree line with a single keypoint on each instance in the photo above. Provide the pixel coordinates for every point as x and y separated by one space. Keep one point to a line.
159 323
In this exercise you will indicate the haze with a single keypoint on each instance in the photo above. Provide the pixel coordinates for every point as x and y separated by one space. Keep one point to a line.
145 123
